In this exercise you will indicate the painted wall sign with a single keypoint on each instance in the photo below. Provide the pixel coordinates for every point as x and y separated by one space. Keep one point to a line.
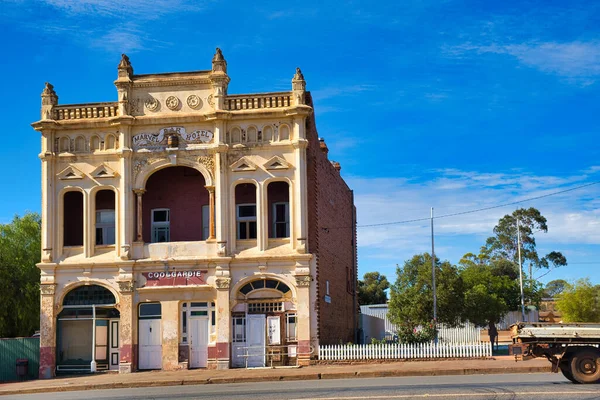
158 140
175 278
201 136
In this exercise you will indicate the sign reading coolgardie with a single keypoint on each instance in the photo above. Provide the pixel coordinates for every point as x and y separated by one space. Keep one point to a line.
152 140
175 278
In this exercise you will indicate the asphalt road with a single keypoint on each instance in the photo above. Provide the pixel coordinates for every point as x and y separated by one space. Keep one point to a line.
470 387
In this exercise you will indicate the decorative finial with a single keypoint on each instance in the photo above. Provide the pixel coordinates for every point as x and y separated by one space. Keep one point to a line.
218 62
48 90
218 55
298 76
124 61
125 68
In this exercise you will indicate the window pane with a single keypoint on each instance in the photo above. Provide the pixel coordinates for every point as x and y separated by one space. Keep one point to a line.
280 214
281 230
99 236
109 235
252 229
161 215
150 309
242 230
247 211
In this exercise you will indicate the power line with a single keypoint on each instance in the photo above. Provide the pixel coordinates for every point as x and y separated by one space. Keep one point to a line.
483 208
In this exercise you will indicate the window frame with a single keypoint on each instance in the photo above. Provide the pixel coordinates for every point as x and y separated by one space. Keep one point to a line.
286 219
247 221
104 226
156 225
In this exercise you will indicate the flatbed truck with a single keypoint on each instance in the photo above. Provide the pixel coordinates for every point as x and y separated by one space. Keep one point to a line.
572 348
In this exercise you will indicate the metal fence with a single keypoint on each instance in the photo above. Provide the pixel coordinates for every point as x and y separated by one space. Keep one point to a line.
12 350
392 351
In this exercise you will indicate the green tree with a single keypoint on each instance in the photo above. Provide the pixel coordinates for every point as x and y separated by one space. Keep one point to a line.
411 296
490 292
579 302
503 245
19 276
371 289
555 287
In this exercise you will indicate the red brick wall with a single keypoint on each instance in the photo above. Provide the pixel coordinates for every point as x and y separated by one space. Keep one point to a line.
73 219
182 191
332 238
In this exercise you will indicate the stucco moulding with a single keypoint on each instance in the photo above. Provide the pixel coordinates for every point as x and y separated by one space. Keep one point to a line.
158 140
243 165
47 288
303 281
104 171
276 163
70 173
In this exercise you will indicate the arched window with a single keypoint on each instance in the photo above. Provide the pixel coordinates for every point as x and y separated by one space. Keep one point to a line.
268 133
73 219
95 143
252 134
89 295
80 144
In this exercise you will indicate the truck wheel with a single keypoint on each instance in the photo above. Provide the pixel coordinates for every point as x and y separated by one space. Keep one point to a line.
585 366
565 368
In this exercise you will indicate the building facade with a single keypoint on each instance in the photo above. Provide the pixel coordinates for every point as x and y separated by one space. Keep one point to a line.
184 227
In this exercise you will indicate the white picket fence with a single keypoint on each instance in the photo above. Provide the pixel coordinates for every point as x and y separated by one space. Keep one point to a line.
393 351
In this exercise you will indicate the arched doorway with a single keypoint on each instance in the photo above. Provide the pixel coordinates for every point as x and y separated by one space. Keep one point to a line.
87 335
266 332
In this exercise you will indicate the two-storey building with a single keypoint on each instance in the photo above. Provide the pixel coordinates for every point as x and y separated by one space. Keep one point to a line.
184 227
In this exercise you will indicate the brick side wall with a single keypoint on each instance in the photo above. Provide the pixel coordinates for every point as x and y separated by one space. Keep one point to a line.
332 238
181 190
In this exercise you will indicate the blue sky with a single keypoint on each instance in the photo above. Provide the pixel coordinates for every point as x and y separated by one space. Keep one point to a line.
455 105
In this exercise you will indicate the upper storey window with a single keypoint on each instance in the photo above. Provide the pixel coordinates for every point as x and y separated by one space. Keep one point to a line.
161 225
281 220
245 209
278 194
105 217
246 221
105 227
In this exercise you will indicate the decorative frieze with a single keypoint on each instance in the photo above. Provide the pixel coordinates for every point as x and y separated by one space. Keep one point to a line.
126 286
208 162
223 283
303 280
47 288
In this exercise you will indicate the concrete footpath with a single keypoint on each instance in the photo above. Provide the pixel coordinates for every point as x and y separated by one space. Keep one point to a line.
496 365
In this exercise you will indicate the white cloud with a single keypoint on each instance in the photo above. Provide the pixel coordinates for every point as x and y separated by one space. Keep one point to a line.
577 61
124 9
573 217
338 91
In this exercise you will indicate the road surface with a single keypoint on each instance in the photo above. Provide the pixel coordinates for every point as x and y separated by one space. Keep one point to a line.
470 387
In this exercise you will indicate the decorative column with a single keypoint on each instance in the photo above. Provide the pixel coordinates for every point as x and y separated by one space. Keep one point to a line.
303 313
47 331
223 315
211 207
139 193
126 327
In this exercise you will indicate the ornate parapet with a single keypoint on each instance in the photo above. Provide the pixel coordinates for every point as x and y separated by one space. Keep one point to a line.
258 101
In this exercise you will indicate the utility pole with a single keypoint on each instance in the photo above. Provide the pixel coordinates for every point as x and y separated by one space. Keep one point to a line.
520 271
433 271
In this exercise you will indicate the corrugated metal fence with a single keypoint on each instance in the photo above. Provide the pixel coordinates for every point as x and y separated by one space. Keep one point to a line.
13 349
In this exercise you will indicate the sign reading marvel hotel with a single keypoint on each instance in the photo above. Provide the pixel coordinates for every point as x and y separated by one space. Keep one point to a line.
175 278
